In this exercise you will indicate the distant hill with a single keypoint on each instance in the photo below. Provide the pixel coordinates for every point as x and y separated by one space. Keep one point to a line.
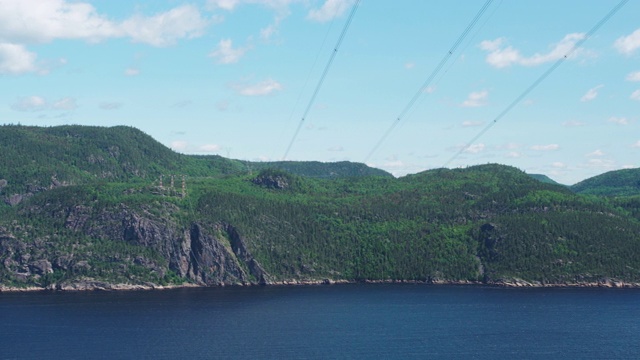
36 158
322 170
544 179
624 182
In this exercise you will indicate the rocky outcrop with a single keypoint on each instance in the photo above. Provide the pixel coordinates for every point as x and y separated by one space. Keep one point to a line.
239 248
214 255
270 180
209 261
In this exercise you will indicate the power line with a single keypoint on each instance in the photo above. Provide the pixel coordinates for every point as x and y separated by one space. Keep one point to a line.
427 82
322 77
315 61
526 92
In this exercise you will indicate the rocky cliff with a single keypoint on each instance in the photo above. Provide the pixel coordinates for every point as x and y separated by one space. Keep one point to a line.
206 255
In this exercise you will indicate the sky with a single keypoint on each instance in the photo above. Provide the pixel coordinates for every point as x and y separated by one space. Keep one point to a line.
530 85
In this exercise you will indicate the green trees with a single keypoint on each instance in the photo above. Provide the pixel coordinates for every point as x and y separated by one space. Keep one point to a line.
486 222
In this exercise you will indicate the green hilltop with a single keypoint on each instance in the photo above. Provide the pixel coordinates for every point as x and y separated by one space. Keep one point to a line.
84 207
624 182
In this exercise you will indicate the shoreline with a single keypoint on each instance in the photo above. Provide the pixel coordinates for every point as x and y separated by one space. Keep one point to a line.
91 285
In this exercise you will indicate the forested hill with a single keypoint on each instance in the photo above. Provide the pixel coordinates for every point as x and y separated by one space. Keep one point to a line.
544 179
36 158
83 208
613 183
316 169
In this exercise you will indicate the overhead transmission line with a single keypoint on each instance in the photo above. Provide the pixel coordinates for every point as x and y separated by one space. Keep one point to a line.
315 61
427 82
526 92
322 77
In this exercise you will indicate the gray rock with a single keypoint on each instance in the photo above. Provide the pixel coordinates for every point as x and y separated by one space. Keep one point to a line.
41 267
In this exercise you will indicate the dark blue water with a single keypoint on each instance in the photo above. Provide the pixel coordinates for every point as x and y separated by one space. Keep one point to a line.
324 322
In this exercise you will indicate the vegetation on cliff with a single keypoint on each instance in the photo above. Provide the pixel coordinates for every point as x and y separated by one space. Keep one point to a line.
88 203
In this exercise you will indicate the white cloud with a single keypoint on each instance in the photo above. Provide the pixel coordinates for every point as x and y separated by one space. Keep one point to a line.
166 28
549 147
394 164
179 145
409 65
628 44
131 71
492 45
52 19
475 148
226 54
429 90
636 145
16 59
503 57
596 153
591 94
509 146
475 99
337 148
600 163
281 7
281 14
228 5
266 87
59 19
31 103
628 167
329 10
514 154
635 95
618 120
267 32
559 165
472 123
212 148
38 103
634 76
66 103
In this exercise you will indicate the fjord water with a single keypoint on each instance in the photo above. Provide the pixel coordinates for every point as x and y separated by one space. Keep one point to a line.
383 321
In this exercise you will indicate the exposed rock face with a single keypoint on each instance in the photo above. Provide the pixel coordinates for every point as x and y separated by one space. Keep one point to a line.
15 199
215 254
208 256
278 182
41 267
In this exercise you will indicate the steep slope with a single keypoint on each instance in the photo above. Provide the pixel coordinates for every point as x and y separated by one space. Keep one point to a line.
489 223
544 179
613 183
35 159
85 205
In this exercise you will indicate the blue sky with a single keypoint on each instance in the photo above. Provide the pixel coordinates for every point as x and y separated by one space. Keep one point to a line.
233 77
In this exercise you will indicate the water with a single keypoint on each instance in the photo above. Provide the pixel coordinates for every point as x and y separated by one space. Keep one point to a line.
324 322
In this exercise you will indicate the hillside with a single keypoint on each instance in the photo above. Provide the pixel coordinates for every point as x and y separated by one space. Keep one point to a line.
36 159
492 224
544 179
320 170
624 182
